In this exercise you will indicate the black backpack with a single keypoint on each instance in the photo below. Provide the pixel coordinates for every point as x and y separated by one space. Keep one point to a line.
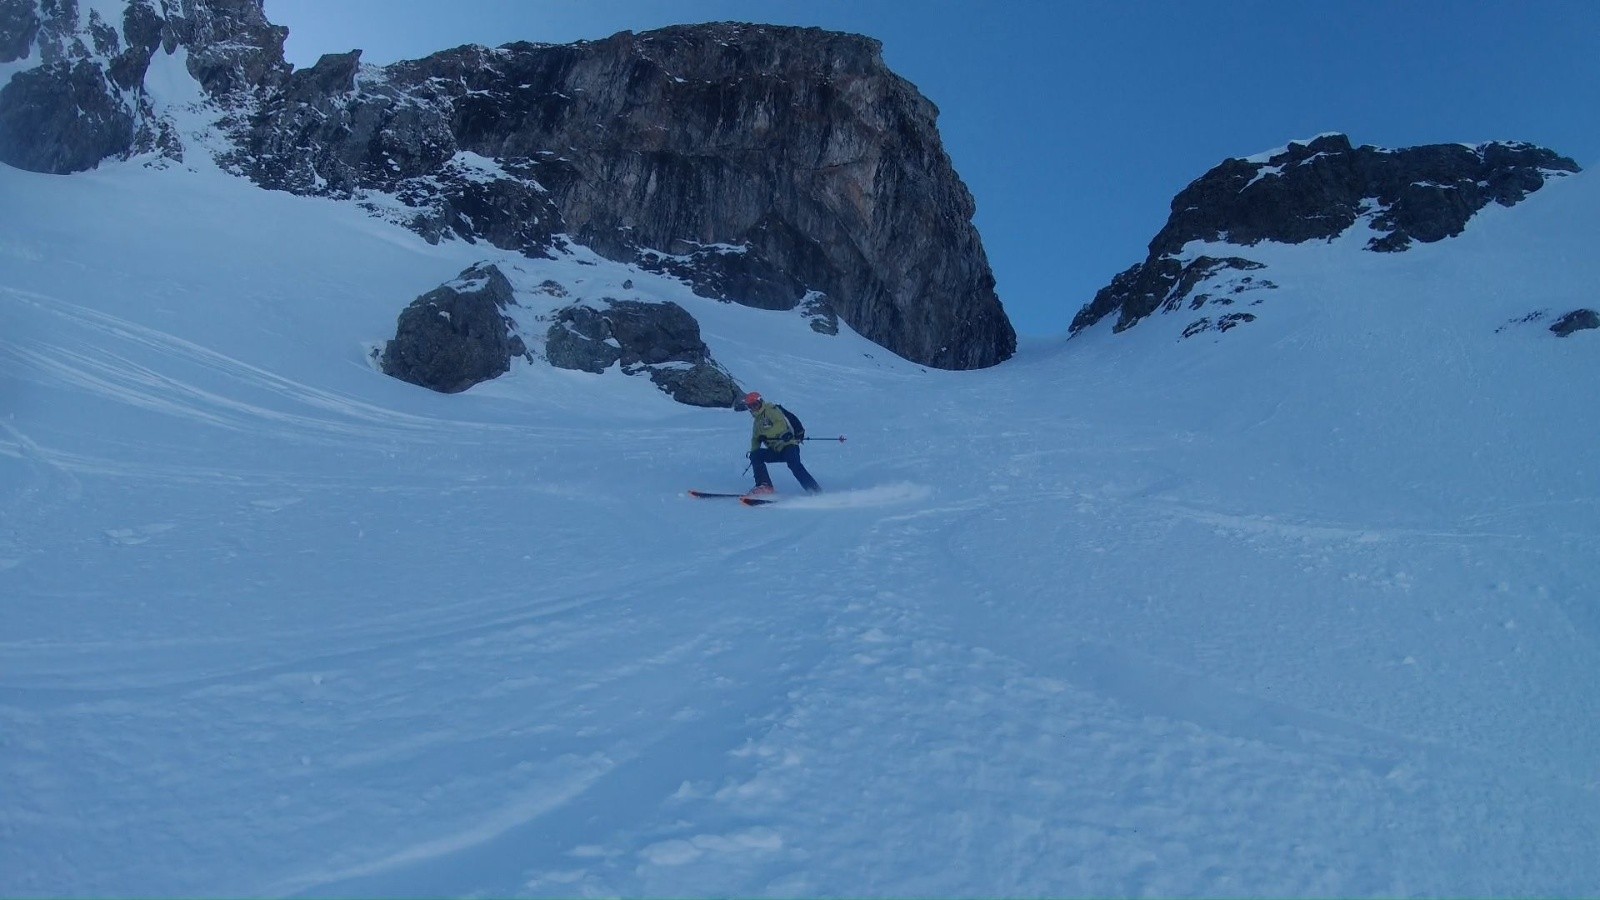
796 427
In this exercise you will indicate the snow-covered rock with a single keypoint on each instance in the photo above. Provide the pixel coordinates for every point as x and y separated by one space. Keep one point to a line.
658 339
456 335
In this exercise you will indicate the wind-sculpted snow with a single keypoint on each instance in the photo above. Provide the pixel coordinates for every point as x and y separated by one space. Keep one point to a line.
1304 611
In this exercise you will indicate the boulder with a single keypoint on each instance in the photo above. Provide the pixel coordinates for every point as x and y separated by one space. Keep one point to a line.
701 384
456 335
1577 320
658 339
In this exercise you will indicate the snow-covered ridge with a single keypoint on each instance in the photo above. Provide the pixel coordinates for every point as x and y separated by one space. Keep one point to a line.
1266 157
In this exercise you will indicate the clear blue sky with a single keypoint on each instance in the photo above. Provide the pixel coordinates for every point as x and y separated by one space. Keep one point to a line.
1075 123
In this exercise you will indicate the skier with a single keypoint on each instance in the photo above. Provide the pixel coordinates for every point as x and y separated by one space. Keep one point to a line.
782 433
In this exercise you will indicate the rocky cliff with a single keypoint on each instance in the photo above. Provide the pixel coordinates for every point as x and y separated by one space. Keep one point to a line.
769 166
1316 190
83 97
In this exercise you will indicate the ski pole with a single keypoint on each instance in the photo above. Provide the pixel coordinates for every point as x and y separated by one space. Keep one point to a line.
840 439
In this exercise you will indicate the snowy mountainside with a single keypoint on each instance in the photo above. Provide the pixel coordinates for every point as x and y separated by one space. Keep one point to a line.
1316 190
1304 608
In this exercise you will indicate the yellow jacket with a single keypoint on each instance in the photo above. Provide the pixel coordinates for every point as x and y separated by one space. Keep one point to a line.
771 427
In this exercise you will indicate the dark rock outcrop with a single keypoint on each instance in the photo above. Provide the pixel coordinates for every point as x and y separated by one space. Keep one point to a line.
820 314
332 75
460 334
457 334
1317 191
142 32
64 115
60 117
234 52
86 100
1577 320
658 339
1223 323
1165 283
581 340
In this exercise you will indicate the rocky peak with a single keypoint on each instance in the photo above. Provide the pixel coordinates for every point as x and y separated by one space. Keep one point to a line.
1318 190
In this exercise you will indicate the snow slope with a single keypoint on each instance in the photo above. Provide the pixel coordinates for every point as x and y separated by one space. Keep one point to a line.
1307 608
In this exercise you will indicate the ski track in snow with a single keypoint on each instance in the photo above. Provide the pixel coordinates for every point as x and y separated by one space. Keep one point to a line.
278 625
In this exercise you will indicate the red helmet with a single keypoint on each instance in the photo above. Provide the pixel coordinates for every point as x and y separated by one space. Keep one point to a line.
752 400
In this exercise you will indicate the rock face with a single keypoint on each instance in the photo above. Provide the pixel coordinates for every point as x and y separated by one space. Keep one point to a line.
86 100
1317 191
457 334
765 165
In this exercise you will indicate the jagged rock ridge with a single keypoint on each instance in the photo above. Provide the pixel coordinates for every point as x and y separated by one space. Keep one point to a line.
1317 190
790 163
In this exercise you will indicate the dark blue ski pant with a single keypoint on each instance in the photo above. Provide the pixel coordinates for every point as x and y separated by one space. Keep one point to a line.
788 455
